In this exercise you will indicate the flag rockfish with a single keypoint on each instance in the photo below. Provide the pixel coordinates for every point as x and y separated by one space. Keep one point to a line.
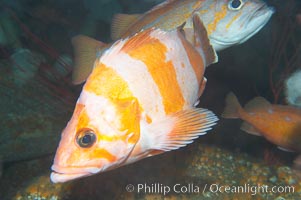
228 22
139 101
279 124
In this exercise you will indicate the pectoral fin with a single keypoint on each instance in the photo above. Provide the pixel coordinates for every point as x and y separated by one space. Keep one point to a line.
180 129
85 53
202 43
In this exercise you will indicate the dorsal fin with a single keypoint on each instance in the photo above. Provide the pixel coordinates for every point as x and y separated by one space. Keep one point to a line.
85 53
121 23
161 5
141 38
202 42
258 103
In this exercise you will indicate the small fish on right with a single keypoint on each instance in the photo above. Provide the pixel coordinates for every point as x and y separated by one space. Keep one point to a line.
279 124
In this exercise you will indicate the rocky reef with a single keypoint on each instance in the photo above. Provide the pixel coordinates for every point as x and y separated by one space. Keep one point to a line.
198 172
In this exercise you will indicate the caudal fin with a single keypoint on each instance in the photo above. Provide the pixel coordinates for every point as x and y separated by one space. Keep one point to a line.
85 53
232 108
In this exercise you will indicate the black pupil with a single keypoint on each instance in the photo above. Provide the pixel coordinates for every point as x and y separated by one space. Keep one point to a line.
235 3
87 139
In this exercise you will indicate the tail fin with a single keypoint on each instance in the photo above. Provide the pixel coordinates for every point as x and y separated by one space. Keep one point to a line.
85 53
232 107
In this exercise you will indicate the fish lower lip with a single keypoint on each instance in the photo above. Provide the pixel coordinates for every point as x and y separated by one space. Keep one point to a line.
75 170
60 177
223 42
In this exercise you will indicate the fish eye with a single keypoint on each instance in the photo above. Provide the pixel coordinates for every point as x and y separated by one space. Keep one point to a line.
235 4
85 138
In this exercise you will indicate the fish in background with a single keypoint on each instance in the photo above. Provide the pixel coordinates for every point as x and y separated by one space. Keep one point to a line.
138 102
228 22
279 124
293 89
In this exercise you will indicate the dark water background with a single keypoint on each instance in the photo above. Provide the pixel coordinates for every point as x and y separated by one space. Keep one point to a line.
36 104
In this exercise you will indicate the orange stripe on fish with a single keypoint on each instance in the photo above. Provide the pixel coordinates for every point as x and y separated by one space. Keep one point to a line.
84 119
103 153
173 99
112 85
195 60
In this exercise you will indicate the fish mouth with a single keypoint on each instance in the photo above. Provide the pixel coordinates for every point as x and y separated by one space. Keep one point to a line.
63 174
61 178
259 19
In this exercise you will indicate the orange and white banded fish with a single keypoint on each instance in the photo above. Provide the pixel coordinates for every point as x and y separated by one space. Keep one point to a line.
228 22
138 102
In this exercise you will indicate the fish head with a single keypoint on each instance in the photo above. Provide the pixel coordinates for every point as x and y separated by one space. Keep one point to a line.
100 136
231 22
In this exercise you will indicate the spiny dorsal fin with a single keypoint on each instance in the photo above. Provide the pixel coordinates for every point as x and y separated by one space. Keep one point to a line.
121 23
161 5
85 53
202 42
141 38
258 103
